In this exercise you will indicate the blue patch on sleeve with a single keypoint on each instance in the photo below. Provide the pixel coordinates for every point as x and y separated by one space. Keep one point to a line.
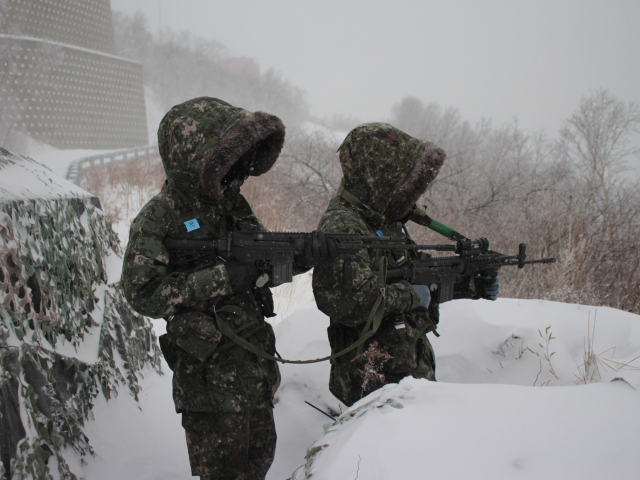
192 225
379 233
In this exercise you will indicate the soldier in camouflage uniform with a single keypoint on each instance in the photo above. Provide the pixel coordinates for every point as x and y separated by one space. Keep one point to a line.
224 392
385 172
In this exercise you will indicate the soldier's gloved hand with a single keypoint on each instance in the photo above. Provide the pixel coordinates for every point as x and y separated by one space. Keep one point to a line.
241 276
424 295
488 286
318 251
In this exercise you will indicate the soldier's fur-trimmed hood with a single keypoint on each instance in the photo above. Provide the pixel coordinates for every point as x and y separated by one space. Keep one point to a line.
416 183
387 169
201 139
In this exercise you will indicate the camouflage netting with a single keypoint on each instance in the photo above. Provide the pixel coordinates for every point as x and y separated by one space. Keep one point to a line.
56 306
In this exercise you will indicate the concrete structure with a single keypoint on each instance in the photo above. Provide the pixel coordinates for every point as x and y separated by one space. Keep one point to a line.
68 88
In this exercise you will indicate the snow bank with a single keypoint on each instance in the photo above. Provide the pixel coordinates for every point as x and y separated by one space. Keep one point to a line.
473 423
477 425
420 429
24 179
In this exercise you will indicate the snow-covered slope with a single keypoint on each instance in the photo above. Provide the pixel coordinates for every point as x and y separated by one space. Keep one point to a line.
483 419
421 429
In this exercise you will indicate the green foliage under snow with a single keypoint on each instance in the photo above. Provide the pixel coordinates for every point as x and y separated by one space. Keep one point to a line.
66 334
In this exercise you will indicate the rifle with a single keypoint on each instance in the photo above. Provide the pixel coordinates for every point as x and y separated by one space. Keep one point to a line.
273 254
440 273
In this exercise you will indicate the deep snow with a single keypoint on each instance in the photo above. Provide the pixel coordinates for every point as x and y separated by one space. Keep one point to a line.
484 418
466 425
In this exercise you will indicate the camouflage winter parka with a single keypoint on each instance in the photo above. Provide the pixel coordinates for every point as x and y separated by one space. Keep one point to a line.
385 172
200 142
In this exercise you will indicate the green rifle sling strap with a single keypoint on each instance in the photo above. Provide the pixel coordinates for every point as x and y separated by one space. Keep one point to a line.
371 327
419 216
374 320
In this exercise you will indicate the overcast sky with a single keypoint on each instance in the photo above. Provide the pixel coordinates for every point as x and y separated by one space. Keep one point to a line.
499 59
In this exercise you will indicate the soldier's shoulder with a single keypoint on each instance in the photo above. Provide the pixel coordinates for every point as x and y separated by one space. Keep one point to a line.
339 218
156 214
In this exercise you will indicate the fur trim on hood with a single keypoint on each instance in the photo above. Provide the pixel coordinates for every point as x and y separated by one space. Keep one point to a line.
387 170
201 139
261 129
414 186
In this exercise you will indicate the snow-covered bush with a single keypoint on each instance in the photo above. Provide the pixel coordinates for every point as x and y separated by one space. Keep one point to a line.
66 333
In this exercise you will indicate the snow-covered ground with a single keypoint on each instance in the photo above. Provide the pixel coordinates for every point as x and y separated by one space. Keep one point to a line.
54 158
510 401
483 419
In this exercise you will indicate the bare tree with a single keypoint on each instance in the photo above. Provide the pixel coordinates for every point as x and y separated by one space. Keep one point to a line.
572 198
598 138
180 66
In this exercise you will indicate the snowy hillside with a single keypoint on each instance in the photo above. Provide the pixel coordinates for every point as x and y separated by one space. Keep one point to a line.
508 402
453 430
464 426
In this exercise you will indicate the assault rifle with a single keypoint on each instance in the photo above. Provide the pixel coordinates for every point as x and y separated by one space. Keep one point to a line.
440 273
273 254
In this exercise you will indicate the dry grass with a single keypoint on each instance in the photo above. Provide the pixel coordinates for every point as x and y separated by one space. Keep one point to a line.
546 353
124 188
594 364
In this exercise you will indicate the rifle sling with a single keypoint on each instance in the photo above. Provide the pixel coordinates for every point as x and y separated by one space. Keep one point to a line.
349 197
371 327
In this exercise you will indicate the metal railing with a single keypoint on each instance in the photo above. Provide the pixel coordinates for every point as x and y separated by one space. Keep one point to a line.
75 169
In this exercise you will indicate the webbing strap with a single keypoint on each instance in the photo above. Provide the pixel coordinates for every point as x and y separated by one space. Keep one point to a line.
377 312
349 197
373 322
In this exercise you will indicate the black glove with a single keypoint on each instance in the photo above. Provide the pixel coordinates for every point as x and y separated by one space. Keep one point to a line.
318 251
488 286
241 276
424 295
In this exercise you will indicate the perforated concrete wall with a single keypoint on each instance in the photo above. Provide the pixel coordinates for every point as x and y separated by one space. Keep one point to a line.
90 101
84 23
72 92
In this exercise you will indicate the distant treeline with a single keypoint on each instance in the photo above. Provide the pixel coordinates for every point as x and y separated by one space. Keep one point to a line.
571 196
178 66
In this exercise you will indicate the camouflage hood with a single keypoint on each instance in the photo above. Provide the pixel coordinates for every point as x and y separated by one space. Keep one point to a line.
387 170
201 139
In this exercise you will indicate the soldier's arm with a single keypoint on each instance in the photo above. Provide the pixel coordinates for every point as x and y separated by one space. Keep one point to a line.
351 305
148 284
465 286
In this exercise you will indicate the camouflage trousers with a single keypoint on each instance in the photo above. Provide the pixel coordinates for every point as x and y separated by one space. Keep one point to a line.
231 446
